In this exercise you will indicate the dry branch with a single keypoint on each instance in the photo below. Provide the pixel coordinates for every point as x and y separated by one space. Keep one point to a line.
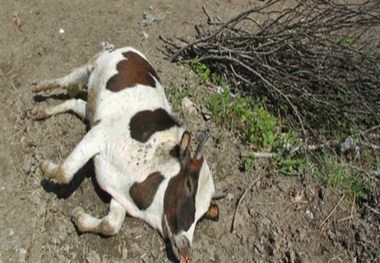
317 62
241 200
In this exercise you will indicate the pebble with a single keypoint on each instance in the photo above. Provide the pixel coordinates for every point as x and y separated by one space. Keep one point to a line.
124 253
22 253
93 257
188 106
145 35
309 214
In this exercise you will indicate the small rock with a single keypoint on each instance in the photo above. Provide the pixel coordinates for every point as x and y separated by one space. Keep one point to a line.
93 257
61 31
54 241
145 35
309 214
150 19
229 196
206 113
22 253
124 253
188 106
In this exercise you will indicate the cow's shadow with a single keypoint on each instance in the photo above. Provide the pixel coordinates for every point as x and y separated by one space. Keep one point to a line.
66 190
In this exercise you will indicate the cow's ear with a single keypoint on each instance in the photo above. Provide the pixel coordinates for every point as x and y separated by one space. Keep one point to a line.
213 212
184 147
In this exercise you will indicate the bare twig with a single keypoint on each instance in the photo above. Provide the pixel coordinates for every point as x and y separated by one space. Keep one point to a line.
241 200
351 216
332 211
372 209
345 218
225 25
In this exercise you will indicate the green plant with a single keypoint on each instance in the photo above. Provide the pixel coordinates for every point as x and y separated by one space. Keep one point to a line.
202 70
291 165
346 41
327 169
205 73
176 95
248 162
257 126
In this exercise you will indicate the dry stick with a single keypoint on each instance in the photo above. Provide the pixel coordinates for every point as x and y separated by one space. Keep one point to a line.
345 218
206 12
335 257
372 209
332 211
351 216
313 26
241 200
235 19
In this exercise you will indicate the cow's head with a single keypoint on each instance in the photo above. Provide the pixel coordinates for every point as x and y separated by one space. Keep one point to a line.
187 198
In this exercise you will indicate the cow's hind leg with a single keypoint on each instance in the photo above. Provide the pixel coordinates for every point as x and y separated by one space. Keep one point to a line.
78 76
108 225
78 106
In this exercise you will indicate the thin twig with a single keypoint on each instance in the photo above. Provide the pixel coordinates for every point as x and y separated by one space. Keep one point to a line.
372 209
335 257
332 211
241 200
345 218
233 20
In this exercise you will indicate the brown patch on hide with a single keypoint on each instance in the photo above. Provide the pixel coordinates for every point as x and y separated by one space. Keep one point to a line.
179 199
132 70
145 123
174 152
143 193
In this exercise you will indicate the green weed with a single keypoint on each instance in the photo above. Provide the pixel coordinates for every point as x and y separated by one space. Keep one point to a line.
257 126
176 94
291 165
205 73
202 70
265 133
346 41
327 169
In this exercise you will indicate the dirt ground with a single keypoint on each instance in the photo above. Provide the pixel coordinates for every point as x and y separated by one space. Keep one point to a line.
281 219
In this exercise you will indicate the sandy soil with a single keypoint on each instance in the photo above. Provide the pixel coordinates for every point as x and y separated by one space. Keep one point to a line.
281 219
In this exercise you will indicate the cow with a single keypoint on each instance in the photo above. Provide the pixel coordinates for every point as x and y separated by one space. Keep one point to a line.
141 154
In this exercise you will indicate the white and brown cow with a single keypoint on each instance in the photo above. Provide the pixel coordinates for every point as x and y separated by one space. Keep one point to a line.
141 154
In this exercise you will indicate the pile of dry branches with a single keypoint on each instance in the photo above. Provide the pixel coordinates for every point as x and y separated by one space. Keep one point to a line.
318 62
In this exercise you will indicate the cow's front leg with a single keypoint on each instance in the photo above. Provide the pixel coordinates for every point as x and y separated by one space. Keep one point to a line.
88 147
108 225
